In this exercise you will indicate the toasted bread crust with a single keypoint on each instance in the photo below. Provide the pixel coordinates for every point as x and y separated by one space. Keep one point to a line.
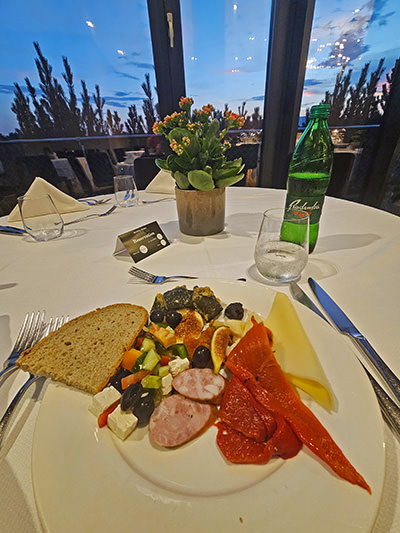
86 352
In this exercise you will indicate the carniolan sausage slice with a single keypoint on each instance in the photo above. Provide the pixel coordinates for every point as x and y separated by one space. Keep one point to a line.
200 384
177 420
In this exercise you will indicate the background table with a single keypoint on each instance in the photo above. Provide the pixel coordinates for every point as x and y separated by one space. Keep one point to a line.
357 260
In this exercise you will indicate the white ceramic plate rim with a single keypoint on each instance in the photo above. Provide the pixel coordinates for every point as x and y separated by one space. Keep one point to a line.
85 479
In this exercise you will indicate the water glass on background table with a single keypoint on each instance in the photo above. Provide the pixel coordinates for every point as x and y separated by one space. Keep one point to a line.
40 217
125 190
281 251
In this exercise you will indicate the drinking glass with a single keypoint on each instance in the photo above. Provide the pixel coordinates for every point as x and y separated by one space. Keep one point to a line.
40 217
125 190
281 251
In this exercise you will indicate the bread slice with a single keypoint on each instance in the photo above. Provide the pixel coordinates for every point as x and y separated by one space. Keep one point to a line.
86 352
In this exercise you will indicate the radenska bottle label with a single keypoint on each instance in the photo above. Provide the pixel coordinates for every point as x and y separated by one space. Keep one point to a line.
312 205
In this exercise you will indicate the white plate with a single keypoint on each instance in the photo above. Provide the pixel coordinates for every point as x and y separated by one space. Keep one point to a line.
85 479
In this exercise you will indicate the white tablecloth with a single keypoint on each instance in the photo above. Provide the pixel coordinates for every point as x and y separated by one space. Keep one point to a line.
357 259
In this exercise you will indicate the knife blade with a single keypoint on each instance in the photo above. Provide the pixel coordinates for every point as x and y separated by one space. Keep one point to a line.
390 411
344 324
299 295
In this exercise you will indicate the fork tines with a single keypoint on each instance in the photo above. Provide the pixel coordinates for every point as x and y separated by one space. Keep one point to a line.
141 274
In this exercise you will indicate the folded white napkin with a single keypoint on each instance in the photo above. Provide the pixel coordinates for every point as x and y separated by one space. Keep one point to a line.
63 202
163 183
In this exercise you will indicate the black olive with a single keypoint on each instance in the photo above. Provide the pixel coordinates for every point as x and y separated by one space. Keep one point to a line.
201 357
144 408
173 318
115 381
131 396
157 316
234 311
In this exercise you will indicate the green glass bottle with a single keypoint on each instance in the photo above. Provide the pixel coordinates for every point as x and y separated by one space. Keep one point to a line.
310 169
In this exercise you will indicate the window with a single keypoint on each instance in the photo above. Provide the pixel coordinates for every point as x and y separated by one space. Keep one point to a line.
225 53
106 43
345 37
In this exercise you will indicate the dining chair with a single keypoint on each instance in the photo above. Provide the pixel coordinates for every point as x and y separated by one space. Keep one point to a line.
250 157
102 170
145 169
343 164
41 165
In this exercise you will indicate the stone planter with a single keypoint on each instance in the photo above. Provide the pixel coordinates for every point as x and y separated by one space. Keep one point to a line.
201 212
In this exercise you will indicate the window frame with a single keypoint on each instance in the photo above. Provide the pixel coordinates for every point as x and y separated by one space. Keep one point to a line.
289 39
167 55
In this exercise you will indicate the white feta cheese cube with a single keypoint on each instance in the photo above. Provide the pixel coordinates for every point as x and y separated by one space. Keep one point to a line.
103 399
166 384
178 365
122 423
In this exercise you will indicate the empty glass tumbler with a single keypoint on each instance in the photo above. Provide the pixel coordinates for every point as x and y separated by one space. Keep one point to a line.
125 190
40 217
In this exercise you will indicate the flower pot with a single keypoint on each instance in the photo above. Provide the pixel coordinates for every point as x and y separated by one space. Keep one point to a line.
201 212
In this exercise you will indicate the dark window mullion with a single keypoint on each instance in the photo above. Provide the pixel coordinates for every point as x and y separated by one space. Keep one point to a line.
168 60
290 30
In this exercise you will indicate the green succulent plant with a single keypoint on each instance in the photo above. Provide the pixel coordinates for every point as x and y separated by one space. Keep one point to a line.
198 160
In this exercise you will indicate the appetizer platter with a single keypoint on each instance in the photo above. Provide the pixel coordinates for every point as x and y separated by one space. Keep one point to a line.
190 431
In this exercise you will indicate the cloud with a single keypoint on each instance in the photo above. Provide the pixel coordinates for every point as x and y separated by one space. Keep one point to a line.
349 34
122 99
128 54
310 81
9 89
112 103
122 93
137 64
125 75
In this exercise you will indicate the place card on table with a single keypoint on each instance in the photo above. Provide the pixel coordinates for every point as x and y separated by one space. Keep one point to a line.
141 242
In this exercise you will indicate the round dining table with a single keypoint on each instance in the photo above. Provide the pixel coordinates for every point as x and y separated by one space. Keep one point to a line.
356 260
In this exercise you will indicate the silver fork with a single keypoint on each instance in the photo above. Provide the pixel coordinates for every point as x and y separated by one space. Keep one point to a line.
53 325
29 333
93 215
152 278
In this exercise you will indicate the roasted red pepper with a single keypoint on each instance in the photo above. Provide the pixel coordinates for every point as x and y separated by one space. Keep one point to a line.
254 363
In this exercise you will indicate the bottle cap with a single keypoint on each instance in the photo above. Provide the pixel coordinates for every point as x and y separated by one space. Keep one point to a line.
320 111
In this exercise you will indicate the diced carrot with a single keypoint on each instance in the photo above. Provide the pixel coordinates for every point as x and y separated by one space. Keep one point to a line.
164 335
133 378
165 360
130 358
102 420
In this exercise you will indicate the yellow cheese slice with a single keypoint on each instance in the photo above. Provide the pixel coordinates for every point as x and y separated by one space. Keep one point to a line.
295 353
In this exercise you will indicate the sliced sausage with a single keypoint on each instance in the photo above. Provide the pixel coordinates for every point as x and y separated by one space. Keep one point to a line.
177 420
200 384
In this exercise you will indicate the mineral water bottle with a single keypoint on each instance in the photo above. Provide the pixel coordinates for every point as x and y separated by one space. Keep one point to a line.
310 170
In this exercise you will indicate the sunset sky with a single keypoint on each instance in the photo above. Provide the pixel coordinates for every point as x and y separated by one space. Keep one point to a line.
225 42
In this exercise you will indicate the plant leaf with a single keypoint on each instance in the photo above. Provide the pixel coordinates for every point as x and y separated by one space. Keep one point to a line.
181 180
163 164
201 180
225 182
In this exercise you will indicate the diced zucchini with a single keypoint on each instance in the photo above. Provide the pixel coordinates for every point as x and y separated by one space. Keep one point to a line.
180 350
160 348
151 360
163 371
147 345
138 365
151 382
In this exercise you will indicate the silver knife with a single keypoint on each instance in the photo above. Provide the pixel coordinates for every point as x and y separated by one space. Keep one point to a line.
345 325
390 411
299 295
